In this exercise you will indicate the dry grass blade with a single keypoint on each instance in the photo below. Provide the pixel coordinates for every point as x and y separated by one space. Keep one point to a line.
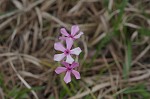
23 81
115 44
9 14
50 17
18 4
108 84
97 39
1 93
94 89
33 5
5 23
141 54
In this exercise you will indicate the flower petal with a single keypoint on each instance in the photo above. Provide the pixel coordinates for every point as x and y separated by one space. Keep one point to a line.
67 77
59 70
64 32
74 29
59 47
59 57
65 64
69 43
62 38
78 36
76 74
69 59
74 64
76 51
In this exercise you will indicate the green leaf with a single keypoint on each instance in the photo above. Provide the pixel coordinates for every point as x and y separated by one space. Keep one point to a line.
138 89
128 60
144 31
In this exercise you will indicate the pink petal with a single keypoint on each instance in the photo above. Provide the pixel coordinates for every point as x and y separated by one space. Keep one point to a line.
64 32
62 38
59 47
59 57
76 74
74 64
67 77
69 59
74 30
65 64
69 43
76 51
59 70
78 36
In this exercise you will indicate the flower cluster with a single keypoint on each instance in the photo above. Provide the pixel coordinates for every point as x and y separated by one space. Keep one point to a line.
67 53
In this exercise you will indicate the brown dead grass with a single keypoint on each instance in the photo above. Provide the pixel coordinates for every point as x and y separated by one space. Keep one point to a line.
29 28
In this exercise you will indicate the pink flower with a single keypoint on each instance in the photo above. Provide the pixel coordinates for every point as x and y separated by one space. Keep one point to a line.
66 51
68 69
74 30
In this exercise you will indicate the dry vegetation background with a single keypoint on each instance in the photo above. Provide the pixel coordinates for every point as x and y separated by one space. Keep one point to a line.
115 62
